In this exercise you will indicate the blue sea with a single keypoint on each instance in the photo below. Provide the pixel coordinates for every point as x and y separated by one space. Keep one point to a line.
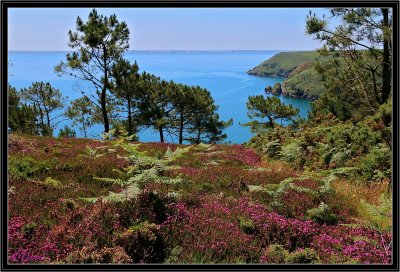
223 73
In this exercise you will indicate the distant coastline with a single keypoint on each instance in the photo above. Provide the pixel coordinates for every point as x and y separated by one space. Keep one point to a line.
166 51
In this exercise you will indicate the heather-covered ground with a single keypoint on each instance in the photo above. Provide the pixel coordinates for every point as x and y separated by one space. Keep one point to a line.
88 201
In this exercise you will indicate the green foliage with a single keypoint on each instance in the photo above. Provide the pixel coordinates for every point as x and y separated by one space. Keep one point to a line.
305 84
274 190
246 225
98 44
321 191
45 100
323 215
376 165
378 217
271 108
127 88
66 132
82 112
22 118
273 149
21 168
92 152
276 89
173 256
27 167
52 183
28 230
289 152
306 255
361 61
276 254
329 104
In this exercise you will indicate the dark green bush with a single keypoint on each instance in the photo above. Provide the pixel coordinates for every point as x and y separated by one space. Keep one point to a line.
376 164
21 168
246 225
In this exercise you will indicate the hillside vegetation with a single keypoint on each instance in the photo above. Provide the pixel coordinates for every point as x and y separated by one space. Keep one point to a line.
89 201
314 191
282 64
302 80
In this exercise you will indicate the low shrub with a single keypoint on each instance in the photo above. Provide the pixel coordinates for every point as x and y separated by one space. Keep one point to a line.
274 254
143 243
94 255
306 255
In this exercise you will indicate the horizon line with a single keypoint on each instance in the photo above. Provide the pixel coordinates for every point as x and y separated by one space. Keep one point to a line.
173 50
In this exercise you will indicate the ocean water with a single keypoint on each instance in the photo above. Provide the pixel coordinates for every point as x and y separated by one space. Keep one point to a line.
223 73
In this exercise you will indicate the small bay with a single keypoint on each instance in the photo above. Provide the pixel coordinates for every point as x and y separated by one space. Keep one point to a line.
223 73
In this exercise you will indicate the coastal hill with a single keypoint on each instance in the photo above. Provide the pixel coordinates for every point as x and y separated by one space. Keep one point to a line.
302 80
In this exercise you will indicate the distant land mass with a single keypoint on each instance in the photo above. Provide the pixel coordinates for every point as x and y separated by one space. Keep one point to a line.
302 80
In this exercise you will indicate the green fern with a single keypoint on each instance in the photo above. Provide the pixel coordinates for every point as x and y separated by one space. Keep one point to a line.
90 200
274 190
203 146
92 152
170 156
378 217
256 188
322 214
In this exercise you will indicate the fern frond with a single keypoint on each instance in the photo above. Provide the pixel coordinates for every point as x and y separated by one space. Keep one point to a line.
172 167
322 208
379 217
119 172
146 175
129 193
256 188
304 190
169 180
107 180
168 154
203 146
90 200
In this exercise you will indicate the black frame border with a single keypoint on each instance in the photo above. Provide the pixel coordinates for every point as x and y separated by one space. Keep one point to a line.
6 4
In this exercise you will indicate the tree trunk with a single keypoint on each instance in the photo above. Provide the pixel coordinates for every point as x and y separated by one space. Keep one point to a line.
181 130
84 127
104 94
198 136
41 120
387 67
271 122
160 129
48 118
130 132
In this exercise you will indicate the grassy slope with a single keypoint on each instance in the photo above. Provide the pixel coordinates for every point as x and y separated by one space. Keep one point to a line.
284 63
304 82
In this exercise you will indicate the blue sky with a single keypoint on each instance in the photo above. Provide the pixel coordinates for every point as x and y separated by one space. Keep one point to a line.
171 28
